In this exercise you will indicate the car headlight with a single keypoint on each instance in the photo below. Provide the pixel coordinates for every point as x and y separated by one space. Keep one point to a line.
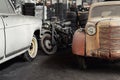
91 30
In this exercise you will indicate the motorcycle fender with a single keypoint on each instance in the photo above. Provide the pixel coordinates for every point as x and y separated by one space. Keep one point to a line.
46 31
78 43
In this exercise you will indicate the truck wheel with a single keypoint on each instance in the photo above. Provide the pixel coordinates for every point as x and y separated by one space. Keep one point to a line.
32 51
46 44
82 62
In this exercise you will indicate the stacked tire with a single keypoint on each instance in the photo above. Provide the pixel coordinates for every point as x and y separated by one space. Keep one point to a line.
28 9
83 19
72 16
60 10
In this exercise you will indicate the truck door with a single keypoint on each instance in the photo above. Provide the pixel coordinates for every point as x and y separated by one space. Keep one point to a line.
2 39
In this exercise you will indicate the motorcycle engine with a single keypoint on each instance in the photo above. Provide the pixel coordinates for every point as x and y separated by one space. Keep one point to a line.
64 34
65 30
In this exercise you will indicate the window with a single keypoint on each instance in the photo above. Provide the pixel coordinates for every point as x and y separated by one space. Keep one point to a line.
105 11
5 7
10 7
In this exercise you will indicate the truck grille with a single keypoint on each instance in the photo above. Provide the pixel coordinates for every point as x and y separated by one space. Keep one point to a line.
109 40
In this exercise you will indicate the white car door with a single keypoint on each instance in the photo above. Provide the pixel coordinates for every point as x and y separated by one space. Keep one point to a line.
16 32
2 39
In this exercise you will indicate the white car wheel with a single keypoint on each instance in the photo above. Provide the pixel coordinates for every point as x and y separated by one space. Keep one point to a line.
32 51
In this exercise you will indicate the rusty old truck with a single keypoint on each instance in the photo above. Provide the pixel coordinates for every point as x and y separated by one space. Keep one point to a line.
100 38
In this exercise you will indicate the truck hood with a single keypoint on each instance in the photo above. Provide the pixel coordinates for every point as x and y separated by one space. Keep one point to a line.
97 20
114 21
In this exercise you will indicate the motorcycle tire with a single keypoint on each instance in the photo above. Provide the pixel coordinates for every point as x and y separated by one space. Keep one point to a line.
46 44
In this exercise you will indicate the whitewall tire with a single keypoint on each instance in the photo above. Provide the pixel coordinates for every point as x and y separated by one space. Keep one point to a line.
33 50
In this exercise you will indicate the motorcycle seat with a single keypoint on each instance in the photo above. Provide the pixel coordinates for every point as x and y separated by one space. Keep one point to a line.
66 23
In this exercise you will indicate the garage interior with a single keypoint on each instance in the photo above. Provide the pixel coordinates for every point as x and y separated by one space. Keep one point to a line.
61 66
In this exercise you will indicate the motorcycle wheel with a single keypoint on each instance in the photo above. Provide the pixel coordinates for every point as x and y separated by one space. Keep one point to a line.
46 44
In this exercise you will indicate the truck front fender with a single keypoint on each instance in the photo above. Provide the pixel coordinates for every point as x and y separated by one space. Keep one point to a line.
78 43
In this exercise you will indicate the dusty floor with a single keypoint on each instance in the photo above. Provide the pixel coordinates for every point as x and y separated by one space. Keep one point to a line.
57 67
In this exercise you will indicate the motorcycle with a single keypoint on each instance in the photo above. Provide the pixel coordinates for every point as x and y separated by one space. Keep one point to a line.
57 34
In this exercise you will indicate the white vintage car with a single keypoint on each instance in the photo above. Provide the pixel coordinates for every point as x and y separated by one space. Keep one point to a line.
18 33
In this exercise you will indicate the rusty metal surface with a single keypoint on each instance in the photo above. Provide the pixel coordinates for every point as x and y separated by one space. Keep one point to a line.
106 42
104 35
110 40
96 44
93 42
78 44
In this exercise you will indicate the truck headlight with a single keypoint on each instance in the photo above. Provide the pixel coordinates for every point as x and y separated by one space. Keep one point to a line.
91 30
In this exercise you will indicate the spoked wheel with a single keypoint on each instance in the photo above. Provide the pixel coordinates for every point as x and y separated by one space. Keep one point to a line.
46 44
82 62
32 51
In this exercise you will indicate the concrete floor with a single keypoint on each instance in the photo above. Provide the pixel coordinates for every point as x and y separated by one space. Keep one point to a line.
57 67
